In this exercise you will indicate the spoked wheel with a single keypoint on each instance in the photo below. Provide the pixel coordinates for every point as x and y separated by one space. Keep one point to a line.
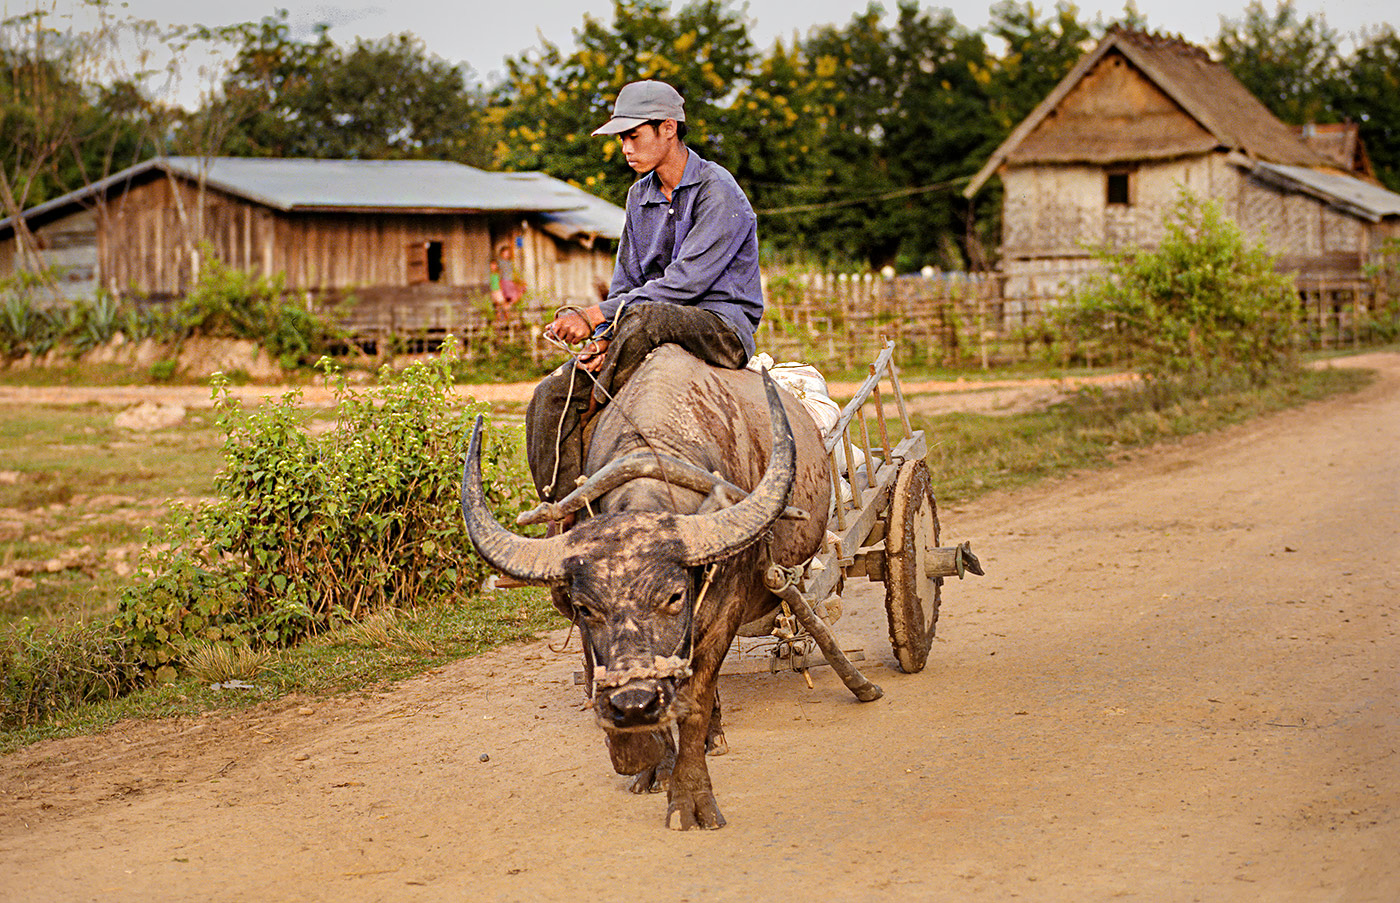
911 595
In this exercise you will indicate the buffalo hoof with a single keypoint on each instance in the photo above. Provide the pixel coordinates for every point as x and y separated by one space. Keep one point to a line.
652 780
716 745
688 811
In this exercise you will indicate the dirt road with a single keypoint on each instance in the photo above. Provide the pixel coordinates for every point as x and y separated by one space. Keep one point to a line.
934 396
1178 682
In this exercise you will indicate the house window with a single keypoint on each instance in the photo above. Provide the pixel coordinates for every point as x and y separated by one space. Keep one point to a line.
1119 188
424 262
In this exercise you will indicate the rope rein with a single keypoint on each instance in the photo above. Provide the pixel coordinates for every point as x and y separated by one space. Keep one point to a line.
574 353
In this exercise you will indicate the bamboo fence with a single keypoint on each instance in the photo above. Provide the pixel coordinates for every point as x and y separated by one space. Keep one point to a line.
840 321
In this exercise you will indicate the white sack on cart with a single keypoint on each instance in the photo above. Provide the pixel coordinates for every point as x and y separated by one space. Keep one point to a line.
808 385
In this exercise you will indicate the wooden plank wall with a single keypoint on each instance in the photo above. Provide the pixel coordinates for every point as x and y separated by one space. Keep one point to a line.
324 251
68 248
151 230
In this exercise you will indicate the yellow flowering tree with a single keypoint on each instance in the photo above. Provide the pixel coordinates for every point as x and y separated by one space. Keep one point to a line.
551 101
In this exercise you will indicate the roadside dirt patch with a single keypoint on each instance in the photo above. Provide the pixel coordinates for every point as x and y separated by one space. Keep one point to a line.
192 397
1177 682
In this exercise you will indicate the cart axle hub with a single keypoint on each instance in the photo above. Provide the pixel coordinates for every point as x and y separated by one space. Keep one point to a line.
944 561
954 562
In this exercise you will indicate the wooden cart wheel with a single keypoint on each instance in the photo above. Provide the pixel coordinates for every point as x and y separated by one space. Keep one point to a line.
911 596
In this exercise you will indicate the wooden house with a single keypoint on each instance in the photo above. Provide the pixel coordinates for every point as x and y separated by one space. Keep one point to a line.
395 245
1103 159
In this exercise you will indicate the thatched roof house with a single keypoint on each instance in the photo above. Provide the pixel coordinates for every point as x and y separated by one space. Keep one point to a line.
1105 156
1341 143
410 240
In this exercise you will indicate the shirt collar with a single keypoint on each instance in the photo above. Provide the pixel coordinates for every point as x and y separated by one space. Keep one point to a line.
691 175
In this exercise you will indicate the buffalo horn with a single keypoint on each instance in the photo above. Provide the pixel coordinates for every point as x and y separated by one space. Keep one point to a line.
719 534
530 560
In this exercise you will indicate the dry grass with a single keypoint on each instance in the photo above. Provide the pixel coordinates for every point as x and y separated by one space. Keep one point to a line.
216 663
386 629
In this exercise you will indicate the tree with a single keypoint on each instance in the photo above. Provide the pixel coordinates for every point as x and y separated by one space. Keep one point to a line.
1290 64
1039 53
69 111
774 140
385 99
857 90
937 134
550 103
1370 97
913 110
899 117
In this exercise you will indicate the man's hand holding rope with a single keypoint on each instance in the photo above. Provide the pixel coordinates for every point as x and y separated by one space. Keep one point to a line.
574 326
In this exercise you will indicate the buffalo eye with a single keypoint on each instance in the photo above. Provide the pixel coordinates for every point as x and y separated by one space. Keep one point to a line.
674 605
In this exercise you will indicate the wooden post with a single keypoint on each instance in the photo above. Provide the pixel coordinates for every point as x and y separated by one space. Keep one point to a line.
870 467
880 413
850 463
982 327
836 493
899 397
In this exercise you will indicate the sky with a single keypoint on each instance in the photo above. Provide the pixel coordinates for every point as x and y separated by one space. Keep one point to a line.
481 34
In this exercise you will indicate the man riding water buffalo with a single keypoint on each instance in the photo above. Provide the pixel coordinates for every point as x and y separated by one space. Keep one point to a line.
686 273
702 478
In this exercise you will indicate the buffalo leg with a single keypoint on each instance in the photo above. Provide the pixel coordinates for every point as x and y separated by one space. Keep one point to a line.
715 744
691 803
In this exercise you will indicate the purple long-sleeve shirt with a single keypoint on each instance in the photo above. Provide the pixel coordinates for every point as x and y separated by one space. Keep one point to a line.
699 248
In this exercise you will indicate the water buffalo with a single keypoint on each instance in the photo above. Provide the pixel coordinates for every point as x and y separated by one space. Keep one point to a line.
671 563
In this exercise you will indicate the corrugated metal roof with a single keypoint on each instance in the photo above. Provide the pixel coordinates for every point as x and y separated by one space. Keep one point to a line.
594 218
300 184
1356 196
365 186
74 197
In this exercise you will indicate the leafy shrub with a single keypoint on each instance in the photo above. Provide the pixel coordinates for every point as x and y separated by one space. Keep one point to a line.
88 323
26 325
1384 273
231 303
47 671
1203 306
224 303
311 530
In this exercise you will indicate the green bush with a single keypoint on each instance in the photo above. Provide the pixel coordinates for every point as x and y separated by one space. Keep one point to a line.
34 321
1204 306
224 303
309 530
26 325
52 670
88 323
231 303
1384 273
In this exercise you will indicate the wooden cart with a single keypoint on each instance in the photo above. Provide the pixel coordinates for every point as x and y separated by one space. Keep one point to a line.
885 528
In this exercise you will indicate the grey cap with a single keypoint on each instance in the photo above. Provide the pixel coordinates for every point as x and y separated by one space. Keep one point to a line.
642 102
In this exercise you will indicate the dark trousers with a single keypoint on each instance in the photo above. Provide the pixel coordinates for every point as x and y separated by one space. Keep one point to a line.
554 419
